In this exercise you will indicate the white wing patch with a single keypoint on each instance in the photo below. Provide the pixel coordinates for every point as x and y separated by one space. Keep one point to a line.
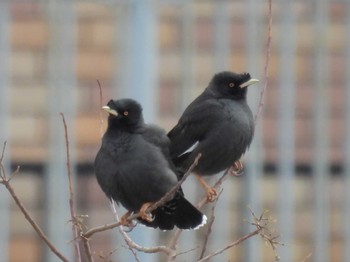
190 149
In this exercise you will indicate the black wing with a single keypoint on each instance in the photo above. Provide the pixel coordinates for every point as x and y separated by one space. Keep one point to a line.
198 119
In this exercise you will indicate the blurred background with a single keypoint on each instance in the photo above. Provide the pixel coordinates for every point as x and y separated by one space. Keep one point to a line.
163 53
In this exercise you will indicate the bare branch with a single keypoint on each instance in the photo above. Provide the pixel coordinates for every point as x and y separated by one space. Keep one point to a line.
132 245
203 201
307 258
209 228
132 251
26 214
101 98
14 173
267 63
148 250
87 249
75 229
217 185
235 243
173 243
2 169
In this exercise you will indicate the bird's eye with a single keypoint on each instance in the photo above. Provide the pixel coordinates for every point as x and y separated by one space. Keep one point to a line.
125 113
231 84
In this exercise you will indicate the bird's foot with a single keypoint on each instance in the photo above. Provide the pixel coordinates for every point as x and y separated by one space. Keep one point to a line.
237 168
124 220
212 194
144 214
210 191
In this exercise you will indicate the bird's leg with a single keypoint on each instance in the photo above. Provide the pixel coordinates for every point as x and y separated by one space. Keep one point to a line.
144 214
124 219
211 191
237 168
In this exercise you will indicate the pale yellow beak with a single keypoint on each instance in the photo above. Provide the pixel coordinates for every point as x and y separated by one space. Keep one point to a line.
249 82
110 111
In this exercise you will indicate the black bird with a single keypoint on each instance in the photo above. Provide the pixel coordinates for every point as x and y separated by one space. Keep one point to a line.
133 168
218 124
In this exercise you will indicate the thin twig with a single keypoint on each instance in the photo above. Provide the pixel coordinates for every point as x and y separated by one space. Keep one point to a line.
307 257
101 99
217 185
3 151
149 250
87 249
28 217
173 244
201 203
2 169
75 229
235 243
132 245
121 230
267 63
131 250
209 227
14 173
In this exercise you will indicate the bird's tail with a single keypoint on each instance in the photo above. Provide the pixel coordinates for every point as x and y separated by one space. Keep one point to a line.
177 212
188 216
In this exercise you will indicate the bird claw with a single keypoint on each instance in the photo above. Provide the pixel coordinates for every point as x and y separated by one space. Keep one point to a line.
237 168
211 194
144 214
124 220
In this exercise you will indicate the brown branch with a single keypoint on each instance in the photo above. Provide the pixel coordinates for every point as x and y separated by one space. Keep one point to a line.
235 243
203 201
75 229
307 257
132 245
87 249
217 185
26 214
132 251
173 243
88 234
267 63
101 99
2 169
149 250
209 228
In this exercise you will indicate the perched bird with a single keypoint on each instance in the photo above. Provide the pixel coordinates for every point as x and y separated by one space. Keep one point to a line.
218 124
133 168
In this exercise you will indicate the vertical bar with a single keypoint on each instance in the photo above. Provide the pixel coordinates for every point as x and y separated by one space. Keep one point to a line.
141 50
61 83
121 53
254 157
346 220
188 84
286 135
187 53
222 235
138 80
221 36
4 123
321 113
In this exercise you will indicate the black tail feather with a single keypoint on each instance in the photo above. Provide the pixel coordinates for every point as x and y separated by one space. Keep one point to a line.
187 216
178 212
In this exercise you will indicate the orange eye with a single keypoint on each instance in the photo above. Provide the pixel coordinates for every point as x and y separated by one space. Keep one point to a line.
126 113
231 85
